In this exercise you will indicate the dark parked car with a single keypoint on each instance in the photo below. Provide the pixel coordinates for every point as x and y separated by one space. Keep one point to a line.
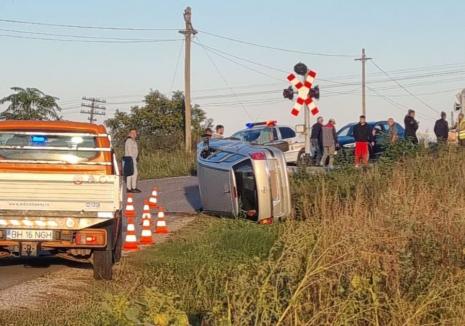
345 136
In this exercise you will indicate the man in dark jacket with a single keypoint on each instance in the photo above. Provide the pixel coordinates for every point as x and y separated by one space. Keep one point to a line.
441 129
316 140
363 136
411 127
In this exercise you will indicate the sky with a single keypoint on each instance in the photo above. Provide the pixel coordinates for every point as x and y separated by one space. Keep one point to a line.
419 44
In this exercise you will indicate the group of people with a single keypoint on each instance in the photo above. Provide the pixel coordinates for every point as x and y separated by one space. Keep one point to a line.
218 134
324 142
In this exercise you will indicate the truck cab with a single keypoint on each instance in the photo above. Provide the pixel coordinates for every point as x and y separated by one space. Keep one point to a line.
60 193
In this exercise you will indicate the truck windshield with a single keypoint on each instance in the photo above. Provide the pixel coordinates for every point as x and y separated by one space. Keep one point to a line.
68 148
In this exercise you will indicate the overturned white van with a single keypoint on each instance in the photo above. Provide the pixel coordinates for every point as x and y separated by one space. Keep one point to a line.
243 180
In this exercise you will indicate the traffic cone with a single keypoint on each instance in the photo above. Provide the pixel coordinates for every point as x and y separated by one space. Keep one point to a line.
146 235
130 242
146 211
161 227
153 199
130 211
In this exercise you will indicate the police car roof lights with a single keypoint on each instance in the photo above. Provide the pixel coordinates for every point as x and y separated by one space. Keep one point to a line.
268 123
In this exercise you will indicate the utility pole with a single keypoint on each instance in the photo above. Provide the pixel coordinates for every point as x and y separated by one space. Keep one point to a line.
363 59
188 32
94 107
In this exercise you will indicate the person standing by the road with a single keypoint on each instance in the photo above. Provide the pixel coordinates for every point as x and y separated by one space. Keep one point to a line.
441 129
363 138
411 127
316 141
392 131
460 127
219 132
329 141
131 150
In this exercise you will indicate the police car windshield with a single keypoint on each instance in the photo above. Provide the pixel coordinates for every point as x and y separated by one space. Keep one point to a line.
257 136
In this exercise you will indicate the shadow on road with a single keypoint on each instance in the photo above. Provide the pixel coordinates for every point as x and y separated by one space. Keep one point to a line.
42 262
192 195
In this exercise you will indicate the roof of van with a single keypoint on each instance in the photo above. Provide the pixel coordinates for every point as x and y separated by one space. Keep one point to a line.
58 126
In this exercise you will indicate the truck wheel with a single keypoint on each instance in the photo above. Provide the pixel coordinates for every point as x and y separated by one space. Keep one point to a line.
117 251
103 264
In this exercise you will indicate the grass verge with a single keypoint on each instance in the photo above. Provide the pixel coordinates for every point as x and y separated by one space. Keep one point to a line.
162 164
382 246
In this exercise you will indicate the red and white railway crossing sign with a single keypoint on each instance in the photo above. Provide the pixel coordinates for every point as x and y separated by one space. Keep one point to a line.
304 93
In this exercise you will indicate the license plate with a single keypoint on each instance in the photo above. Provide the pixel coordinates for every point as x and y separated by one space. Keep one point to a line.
29 234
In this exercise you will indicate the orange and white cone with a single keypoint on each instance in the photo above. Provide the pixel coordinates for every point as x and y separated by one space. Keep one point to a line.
130 243
146 235
130 210
161 227
146 211
153 199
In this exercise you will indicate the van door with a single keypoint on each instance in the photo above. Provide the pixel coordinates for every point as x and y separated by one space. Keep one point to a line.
218 190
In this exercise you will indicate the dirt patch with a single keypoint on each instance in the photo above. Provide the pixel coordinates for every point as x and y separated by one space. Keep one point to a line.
68 281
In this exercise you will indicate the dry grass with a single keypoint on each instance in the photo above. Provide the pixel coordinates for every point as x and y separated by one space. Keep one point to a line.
383 246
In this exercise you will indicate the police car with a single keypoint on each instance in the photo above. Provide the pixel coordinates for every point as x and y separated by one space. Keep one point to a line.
269 133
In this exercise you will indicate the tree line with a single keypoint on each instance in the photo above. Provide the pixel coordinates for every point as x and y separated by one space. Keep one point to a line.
160 121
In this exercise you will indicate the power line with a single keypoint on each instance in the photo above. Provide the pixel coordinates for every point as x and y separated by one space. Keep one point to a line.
238 63
80 36
278 48
86 26
95 108
243 59
224 80
84 41
405 89
176 68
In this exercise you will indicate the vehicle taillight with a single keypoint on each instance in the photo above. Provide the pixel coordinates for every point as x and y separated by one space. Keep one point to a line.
268 220
258 156
90 237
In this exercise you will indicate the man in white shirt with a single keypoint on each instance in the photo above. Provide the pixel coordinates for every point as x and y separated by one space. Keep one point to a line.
131 150
219 132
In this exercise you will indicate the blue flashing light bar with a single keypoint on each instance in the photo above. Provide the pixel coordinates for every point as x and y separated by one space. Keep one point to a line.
39 139
268 123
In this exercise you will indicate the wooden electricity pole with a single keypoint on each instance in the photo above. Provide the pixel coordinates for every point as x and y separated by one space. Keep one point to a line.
94 108
363 59
188 32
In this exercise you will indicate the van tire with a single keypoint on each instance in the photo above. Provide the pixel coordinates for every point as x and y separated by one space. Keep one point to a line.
103 264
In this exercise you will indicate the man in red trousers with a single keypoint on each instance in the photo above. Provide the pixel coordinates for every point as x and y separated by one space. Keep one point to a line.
363 136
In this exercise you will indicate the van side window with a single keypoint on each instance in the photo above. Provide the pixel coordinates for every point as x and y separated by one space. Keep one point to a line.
287 132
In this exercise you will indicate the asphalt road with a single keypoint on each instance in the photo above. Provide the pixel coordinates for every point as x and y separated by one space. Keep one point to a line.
178 195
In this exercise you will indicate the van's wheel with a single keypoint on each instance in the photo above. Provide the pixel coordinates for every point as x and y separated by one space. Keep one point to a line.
103 264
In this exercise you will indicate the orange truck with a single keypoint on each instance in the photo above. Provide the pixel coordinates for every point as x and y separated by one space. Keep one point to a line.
60 193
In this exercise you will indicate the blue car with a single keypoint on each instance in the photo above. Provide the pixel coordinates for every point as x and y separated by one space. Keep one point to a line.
345 136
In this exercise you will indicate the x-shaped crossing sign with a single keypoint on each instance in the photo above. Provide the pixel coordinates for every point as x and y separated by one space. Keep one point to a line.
304 93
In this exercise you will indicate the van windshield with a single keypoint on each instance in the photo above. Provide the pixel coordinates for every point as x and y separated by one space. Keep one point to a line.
68 148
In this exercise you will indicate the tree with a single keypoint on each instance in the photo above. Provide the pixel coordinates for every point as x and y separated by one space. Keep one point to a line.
30 104
160 122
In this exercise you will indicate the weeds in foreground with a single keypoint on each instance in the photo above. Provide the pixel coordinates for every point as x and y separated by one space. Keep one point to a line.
382 246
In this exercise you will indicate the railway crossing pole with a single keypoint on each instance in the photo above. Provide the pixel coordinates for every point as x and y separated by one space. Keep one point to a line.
305 95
